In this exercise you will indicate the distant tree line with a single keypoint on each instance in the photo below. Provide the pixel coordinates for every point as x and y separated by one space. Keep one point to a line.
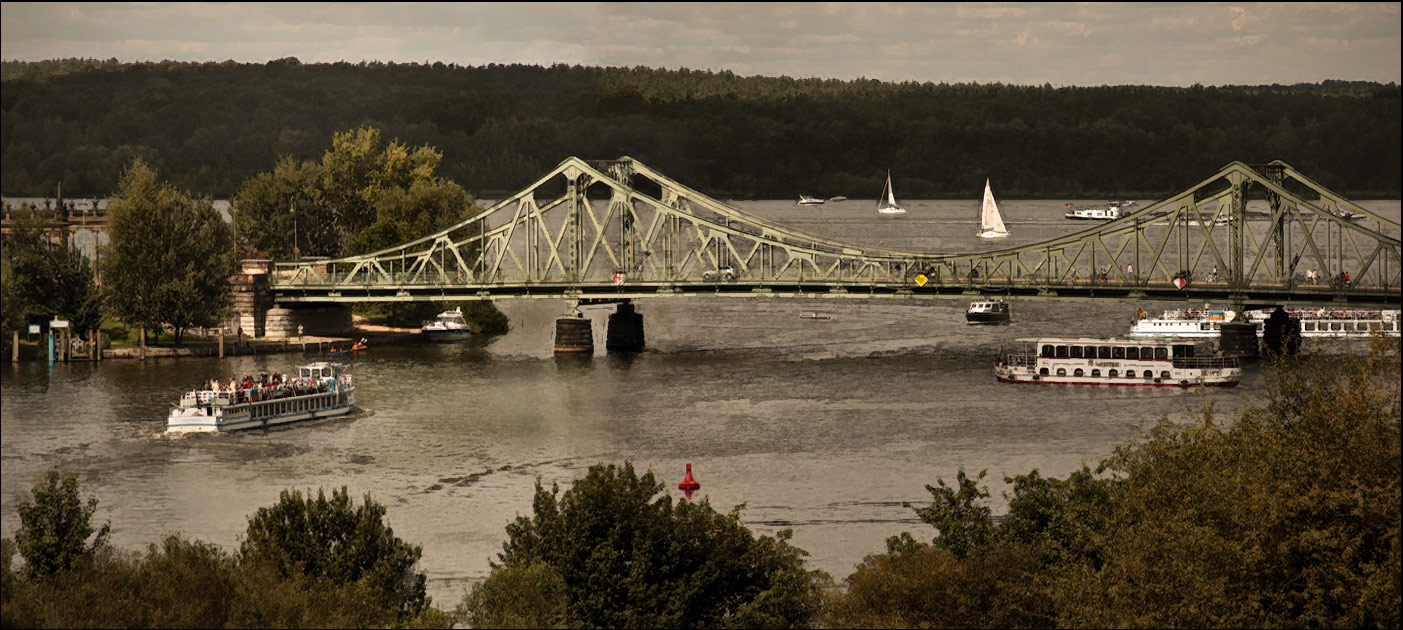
211 126
1286 516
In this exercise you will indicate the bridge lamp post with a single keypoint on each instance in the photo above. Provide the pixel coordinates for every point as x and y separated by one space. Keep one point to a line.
296 253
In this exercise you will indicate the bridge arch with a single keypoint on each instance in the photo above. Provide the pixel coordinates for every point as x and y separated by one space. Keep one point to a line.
617 229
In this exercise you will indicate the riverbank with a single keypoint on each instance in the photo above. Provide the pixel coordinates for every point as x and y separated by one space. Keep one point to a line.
198 346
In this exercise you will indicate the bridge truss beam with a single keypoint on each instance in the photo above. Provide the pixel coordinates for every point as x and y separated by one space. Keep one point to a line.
617 229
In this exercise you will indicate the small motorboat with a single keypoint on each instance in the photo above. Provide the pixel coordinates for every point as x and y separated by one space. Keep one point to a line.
448 326
812 315
987 312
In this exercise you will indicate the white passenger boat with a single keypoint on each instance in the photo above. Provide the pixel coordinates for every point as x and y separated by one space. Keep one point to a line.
987 312
320 390
1337 322
1185 323
448 326
1207 323
1109 212
1115 363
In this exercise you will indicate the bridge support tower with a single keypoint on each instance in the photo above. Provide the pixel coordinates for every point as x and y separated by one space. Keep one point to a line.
625 332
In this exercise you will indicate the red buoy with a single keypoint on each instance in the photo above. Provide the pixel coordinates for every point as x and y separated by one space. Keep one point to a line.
688 485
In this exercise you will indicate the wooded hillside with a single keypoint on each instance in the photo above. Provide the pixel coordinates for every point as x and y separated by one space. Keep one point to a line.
209 126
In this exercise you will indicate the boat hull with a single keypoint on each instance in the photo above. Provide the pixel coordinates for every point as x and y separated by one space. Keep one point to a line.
1010 375
993 235
987 318
445 336
258 415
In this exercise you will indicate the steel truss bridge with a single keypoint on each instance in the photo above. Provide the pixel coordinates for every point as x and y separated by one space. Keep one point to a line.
616 230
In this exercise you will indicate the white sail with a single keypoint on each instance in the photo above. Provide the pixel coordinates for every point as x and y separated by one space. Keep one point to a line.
991 221
887 203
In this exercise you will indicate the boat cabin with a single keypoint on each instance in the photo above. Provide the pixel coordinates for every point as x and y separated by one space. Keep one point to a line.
1126 349
320 370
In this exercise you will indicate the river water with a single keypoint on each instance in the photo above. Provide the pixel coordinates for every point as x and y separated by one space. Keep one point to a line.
823 426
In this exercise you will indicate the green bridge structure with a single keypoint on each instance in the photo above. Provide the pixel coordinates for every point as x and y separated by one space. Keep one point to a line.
600 231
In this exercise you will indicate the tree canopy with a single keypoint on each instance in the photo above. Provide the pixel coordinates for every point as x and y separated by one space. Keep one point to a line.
608 554
211 126
55 525
169 258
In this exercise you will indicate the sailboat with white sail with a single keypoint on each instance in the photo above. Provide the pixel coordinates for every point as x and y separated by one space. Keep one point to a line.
887 204
991 221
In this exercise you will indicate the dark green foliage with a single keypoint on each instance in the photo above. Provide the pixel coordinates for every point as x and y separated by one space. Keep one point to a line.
622 559
333 540
170 256
45 280
1287 517
211 126
55 526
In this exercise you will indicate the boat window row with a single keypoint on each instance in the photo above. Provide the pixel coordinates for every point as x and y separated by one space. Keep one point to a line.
1349 326
1096 373
1154 353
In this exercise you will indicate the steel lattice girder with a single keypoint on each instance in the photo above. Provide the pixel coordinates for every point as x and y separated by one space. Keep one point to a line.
620 228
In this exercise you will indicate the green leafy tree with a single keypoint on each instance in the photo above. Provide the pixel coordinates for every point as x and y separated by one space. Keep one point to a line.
170 257
332 540
55 526
284 212
607 553
47 279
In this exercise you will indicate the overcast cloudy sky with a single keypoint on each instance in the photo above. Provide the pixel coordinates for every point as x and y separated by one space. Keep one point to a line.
1018 43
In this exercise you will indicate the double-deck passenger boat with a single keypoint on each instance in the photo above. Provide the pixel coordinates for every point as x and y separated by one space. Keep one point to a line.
320 390
1115 363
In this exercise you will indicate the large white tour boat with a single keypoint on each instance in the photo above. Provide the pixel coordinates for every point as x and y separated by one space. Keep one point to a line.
320 390
1207 322
1115 363
1109 212
1337 322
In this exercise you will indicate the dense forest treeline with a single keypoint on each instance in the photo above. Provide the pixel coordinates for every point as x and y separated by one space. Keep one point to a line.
210 126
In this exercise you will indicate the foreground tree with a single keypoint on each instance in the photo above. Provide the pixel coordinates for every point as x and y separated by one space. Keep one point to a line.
608 553
170 257
44 279
331 540
55 525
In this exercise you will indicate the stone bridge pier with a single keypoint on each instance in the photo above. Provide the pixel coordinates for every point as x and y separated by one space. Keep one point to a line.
257 314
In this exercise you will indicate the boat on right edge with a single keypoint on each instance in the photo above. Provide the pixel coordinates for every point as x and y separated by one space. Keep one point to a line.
448 326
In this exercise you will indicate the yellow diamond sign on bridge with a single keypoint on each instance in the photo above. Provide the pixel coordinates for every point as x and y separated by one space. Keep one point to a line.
920 279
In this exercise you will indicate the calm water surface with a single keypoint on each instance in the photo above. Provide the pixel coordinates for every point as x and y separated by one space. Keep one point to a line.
823 426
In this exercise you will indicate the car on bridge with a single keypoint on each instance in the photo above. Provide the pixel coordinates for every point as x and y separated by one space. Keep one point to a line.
726 272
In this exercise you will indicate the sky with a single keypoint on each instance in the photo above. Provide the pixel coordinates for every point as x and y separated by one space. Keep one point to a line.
1062 44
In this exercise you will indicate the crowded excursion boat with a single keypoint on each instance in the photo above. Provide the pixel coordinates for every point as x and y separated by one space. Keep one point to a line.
1207 322
987 312
320 390
1115 363
448 326
1337 322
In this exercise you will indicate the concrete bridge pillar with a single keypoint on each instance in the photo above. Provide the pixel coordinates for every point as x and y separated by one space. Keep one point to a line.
625 332
252 299
574 336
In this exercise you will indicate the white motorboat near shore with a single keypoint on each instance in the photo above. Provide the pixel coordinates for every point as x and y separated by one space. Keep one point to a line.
320 390
1115 363
987 312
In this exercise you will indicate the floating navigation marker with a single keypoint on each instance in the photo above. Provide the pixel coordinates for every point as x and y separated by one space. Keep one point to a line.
688 485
